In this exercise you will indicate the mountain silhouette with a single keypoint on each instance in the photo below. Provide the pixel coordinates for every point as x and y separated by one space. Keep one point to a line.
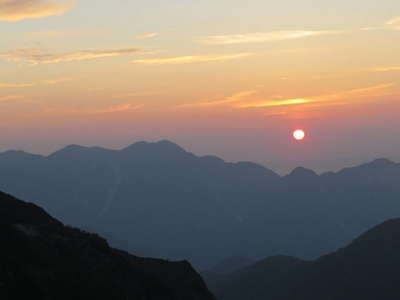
369 268
43 259
158 200
230 264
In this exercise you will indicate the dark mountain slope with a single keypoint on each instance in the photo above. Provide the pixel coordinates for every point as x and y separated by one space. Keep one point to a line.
231 264
368 269
40 258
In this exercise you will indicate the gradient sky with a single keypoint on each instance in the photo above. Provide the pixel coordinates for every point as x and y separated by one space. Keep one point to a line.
230 78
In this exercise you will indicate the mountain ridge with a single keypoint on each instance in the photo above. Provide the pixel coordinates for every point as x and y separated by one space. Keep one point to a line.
222 208
367 268
144 144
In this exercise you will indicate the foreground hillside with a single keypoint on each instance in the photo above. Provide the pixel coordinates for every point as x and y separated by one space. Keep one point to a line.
158 200
368 269
43 259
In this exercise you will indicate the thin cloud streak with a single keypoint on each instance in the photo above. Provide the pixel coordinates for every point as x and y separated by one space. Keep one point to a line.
147 35
274 103
340 98
36 56
386 69
4 85
16 85
117 109
231 99
261 37
18 10
191 59
51 34
10 97
134 95
394 23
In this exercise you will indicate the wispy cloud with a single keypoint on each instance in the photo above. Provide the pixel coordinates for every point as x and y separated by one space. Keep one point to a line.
191 59
10 85
274 103
10 97
51 34
147 35
16 85
89 111
227 100
386 69
18 10
135 94
261 37
392 24
370 91
339 98
116 109
37 56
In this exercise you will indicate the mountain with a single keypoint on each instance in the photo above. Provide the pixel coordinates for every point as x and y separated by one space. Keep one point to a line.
231 264
158 200
43 259
368 269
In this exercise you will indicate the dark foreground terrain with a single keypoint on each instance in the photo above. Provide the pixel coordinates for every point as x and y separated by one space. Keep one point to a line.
40 258
367 269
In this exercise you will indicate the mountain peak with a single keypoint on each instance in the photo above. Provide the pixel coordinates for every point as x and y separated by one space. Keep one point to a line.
19 154
75 151
161 147
70 149
301 172
381 162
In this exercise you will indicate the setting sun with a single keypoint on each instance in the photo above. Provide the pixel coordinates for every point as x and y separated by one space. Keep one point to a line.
299 135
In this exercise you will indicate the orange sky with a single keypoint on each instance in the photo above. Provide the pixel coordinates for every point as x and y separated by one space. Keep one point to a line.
225 78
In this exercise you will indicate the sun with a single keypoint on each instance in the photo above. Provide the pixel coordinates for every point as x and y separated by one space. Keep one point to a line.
299 134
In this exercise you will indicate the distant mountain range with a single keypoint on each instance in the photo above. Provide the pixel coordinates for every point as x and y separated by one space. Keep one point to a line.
158 200
368 269
42 259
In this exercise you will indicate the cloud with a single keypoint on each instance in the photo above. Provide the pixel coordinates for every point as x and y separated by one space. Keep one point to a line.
191 59
18 10
261 37
147 35
274 103
51 34
136 94
16 85
386 69
7 85
117 109
36 56
339 98
231 99
394 23
370 91
10 97
123 108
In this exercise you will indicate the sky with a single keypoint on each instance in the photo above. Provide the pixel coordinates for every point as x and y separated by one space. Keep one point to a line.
228 78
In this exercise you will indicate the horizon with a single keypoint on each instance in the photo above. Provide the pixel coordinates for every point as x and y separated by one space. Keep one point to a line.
225 78
277 171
